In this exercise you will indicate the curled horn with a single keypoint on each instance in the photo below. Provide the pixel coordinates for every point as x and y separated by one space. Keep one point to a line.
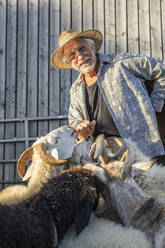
41 149
24 158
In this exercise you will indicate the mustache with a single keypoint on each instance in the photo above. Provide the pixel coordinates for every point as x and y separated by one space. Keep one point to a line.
83 60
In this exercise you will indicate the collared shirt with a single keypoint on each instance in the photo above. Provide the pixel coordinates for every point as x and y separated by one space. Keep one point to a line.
120 78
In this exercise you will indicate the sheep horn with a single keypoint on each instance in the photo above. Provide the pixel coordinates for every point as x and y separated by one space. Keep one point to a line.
144 165
41 149
24 158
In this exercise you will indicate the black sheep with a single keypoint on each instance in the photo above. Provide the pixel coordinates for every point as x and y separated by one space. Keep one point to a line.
42 220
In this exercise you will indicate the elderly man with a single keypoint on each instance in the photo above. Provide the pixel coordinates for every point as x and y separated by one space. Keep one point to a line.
109 95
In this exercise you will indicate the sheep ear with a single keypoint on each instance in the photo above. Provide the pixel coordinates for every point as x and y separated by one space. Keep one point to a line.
82 217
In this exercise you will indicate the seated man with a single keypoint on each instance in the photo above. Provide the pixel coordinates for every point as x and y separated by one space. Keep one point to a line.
109 95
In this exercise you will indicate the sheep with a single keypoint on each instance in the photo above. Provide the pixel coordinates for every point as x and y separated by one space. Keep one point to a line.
151 181
43 219
49 156
102 233
135 208
149 175
111 148
105 233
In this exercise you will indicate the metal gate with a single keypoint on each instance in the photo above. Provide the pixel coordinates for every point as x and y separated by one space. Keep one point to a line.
26 142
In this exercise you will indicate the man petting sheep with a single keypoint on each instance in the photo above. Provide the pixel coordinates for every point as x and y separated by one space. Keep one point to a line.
109 96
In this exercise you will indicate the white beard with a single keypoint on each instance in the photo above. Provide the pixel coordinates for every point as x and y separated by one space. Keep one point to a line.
86 69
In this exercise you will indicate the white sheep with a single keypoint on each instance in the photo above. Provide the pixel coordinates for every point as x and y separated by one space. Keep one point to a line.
147 173
102 233
49 155
135 208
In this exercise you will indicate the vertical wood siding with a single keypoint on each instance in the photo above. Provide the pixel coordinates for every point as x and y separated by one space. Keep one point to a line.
30 86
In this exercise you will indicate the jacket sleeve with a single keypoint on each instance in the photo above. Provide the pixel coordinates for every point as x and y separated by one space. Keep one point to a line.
153 70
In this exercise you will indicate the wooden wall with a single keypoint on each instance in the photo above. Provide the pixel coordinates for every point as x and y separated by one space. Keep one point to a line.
29 30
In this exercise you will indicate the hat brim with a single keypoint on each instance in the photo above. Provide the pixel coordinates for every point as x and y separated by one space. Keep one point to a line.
57 58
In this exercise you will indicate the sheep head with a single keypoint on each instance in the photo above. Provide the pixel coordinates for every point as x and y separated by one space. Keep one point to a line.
54 149
117 173
107 150
81 152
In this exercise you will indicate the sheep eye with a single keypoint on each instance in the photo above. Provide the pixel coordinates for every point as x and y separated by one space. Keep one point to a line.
56 141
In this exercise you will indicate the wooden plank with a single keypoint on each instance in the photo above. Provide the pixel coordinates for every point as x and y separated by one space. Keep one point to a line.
144 27
32 83
77 12
110 39
10 85
88 14
133 34
43 66
2 78
163 27
21 76
54 86
65 74
121 27
156 42
99 18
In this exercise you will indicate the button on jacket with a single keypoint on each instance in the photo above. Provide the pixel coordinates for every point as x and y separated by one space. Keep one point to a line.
121 80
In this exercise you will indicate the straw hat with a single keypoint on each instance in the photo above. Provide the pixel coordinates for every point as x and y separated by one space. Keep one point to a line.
57 58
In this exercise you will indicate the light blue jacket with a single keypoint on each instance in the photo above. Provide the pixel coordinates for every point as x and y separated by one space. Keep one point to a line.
120 78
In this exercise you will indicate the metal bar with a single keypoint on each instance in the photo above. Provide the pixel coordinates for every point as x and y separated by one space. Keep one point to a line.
59 117
8 161
26 134
31 139
10 181
18 140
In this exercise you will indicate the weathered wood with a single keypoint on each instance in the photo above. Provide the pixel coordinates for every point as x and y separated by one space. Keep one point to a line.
121 31
10 93
144 28
65 74
21 75
155 26
2 78
110 30
77 12
133 34
32 64
54 74
43 83
99 18
88 14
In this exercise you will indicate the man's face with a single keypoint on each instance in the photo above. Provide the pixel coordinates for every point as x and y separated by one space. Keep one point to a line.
80 55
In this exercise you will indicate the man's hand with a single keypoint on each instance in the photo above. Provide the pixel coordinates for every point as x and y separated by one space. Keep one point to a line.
85 129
